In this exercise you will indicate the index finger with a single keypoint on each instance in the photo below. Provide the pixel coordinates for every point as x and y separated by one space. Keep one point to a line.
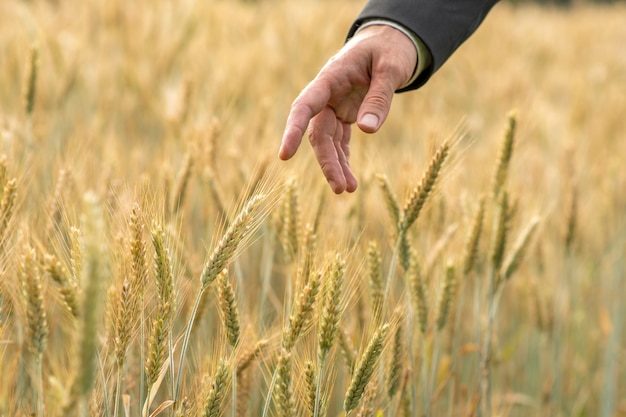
307 105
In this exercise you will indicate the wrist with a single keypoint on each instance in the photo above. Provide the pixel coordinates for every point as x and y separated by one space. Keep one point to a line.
424 56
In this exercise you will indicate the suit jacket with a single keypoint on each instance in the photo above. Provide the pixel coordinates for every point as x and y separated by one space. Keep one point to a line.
443 25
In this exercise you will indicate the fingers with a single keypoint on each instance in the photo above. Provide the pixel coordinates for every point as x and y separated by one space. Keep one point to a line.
329 139
308 104
343 152
377 102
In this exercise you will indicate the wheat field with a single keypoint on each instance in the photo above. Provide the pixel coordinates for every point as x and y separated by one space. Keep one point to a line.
157 259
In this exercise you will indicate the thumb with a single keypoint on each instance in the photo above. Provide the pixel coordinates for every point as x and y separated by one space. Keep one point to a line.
376 104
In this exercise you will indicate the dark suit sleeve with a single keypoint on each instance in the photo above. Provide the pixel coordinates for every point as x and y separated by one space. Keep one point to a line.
443 25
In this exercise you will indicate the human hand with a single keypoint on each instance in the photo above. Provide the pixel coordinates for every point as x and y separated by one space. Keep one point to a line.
356 85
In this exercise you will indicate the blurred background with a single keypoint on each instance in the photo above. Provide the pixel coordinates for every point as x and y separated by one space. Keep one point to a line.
133 100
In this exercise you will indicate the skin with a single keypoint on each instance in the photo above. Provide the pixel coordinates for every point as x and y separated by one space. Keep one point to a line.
355 86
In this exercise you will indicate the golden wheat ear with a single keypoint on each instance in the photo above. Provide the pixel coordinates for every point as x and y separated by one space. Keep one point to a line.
217 391
230 312
228 244
303 312
283 391
418 196
504 157
331 307
365 368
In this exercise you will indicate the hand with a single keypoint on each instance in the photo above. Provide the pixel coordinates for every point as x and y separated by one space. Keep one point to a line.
356 85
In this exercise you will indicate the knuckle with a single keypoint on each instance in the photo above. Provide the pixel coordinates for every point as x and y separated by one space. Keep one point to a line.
378 100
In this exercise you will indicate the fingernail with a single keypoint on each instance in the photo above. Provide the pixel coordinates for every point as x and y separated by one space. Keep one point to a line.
332 184
369 120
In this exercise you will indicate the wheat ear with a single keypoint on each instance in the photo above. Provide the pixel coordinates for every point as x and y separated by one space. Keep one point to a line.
470 253
94 277
364 369
396 362
310 376
519 249
182 182
217 392
498 244
391 201
331 307
228 306
571 220
249 357
446 298
309 247
162 322
36 319
227 246
283 392
304 310
418 293
374 263
67 286
504 157
30 81
291 219
367 408
419 195
347 349
9 192
329 320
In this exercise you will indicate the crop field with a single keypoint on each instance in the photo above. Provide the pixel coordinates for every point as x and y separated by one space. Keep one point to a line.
156 258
